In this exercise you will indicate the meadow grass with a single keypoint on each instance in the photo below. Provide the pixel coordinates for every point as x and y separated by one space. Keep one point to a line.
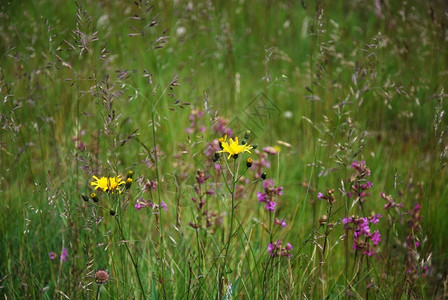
341 106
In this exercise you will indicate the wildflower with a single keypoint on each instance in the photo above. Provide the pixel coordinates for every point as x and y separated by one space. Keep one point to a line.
194 120
376 237
108 184
374 219
101 276
270 205
272 150
277 249
163 205
390 201
280 222
269 195
220 127
329 196
64 255
52 255
141 203
233 147
201 177
359 189
361 167
362 235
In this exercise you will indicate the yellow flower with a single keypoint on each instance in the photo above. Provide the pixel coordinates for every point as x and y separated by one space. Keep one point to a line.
233 147
108 184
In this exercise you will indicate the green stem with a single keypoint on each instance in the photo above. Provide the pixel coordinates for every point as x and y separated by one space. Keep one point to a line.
156 161
98 292
134 263
232 213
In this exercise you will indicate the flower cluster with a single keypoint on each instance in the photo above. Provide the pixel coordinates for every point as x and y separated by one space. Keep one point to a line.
220 127
358 180
329 196
142 203
269 197
101 276
280 222
262 163
361 168
270 194
272 150
211 218
363 238
277 249
413 260
195 116
64 255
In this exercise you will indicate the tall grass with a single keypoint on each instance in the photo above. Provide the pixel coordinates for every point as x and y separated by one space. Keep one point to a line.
316 88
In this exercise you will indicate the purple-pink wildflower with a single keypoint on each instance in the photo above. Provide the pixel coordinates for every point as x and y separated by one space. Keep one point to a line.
64 254
280 222
362 235
194 122
270 194
141 203
52 255
390 201
220 127
374 219
361 168
270 205
329 196
277 249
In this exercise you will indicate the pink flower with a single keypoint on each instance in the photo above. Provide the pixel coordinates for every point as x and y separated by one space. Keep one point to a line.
376 237
64 254
280 222
270 205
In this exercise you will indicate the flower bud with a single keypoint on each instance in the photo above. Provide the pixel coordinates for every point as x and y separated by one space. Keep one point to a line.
247 134
112 212
128 183
323 220
249 163
254 146
94 197
263 176
130 174
84 197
